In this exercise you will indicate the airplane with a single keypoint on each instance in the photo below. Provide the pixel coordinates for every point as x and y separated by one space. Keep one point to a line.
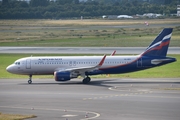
66 68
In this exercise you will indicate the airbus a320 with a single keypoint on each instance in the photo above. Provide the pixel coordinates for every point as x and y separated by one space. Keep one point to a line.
67 68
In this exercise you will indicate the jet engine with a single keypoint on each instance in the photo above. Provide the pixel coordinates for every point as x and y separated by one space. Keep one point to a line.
62 76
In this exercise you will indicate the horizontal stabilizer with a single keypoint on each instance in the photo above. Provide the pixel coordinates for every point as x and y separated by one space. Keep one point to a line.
158 61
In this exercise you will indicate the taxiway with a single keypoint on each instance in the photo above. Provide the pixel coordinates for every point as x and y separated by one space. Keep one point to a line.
102 99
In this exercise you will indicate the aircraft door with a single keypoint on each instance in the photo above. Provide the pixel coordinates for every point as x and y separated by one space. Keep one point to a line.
70 63
28 64
74 63
139 62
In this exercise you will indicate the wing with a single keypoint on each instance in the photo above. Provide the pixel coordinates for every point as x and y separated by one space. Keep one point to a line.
81 70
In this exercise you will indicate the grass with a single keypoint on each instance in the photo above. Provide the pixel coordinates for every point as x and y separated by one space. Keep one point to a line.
167 71
85 33
15 116
101 41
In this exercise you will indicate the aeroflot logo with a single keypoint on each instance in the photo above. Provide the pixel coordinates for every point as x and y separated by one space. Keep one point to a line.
160 44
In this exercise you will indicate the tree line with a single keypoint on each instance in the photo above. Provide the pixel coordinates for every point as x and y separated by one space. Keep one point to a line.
45 9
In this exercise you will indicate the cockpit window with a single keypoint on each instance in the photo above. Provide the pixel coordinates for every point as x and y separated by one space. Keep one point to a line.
17 63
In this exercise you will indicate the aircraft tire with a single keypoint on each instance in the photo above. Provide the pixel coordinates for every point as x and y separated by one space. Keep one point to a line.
86 80
29 81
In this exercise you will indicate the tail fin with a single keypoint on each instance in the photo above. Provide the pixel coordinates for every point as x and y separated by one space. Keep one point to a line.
160 45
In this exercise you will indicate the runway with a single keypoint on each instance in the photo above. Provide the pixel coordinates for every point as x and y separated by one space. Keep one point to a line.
81 50
102 99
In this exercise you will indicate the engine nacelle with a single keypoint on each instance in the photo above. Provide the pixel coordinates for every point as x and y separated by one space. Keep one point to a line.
62 76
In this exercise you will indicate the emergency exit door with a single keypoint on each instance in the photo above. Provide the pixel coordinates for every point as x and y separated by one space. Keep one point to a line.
28 64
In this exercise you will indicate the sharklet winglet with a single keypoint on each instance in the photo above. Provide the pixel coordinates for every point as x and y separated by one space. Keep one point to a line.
102 61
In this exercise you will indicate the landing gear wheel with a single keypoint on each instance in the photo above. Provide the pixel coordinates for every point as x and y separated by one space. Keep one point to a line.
29 81
86 80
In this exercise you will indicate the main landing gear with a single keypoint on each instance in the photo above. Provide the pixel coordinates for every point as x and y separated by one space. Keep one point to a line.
30 79
86 80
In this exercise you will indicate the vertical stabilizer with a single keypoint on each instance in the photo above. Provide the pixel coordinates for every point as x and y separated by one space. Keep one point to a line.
160 45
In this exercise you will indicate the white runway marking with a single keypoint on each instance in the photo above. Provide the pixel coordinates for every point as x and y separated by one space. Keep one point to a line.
69 115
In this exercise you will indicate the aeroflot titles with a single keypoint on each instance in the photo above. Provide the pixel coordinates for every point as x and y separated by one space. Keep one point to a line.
51 59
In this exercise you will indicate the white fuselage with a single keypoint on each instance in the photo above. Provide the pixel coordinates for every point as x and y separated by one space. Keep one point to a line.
48 65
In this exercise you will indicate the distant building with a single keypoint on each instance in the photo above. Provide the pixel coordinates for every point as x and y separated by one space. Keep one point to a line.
116 16
104 16
82 0
28 1
112 16
178 10
124 16
152 15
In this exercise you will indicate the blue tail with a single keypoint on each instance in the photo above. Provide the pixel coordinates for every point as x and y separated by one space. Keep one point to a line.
159 46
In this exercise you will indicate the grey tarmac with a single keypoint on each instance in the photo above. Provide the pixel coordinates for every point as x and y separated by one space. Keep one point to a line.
102 99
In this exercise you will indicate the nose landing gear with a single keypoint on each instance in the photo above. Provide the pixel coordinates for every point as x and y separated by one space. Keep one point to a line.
30 79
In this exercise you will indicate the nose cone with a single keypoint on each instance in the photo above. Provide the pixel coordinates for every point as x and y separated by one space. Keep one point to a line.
10 69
